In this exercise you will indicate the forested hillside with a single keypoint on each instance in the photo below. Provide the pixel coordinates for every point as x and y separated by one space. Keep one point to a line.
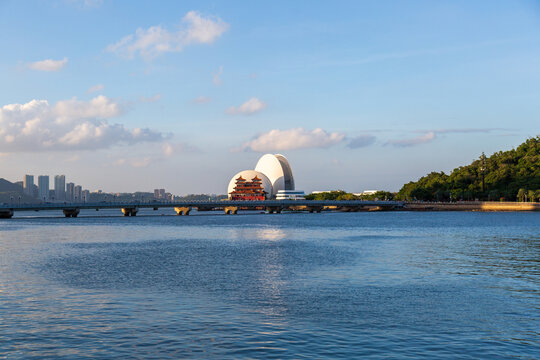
506 175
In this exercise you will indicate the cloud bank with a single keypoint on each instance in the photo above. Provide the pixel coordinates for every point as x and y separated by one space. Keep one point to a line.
48 65
250 107
292 139
156 40
68 125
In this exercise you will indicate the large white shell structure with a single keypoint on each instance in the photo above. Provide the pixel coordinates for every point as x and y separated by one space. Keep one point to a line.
248 175
276 167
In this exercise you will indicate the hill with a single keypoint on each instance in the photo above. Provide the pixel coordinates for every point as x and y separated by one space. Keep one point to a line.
10 193
505 175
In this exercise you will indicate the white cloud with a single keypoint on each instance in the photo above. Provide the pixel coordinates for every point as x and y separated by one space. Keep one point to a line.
95 88
251 106
157 40
291 139
48 65
217 77
201 100
421 139
68 125
99 107
150 99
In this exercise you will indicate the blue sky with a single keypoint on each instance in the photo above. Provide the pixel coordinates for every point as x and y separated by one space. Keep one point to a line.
126 96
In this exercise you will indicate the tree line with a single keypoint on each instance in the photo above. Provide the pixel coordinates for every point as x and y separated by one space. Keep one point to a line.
505 175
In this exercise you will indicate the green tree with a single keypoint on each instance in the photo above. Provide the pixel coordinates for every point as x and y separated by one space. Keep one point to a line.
500 175
522 194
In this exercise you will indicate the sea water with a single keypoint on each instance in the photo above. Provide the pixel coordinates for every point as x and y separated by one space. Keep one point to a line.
330 285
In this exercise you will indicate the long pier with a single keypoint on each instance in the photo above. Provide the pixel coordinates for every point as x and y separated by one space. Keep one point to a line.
184 207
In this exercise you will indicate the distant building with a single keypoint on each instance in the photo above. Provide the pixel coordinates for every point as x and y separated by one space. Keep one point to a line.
28 185
85 195
290 195
43 187
77 193
60 187
19 183
160 194
69 191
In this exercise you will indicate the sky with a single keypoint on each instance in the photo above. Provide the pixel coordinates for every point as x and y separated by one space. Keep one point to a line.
129 96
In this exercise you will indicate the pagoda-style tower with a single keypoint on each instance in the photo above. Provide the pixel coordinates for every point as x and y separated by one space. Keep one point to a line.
248 190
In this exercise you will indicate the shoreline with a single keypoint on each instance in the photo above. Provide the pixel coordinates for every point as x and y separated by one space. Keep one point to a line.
472 206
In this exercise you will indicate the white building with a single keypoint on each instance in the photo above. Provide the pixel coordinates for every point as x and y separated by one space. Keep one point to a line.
276 167
249 175
290 195
276 177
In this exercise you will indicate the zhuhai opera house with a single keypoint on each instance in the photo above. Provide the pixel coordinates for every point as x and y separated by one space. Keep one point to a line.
271 179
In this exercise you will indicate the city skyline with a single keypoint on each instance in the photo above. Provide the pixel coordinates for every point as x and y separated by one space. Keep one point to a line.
356 95
73 193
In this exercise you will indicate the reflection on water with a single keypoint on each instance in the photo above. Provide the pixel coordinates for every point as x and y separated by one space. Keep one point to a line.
434 285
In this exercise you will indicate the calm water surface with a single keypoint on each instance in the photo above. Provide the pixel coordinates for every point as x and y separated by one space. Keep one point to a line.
334 285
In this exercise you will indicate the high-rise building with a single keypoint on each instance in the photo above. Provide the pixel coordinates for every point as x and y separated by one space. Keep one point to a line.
77 193
60 187
43 187
69 191
85 195
28 184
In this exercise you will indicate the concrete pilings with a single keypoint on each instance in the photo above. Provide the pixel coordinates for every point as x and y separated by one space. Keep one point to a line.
130 211
182 210
71 212
231 210
313 209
